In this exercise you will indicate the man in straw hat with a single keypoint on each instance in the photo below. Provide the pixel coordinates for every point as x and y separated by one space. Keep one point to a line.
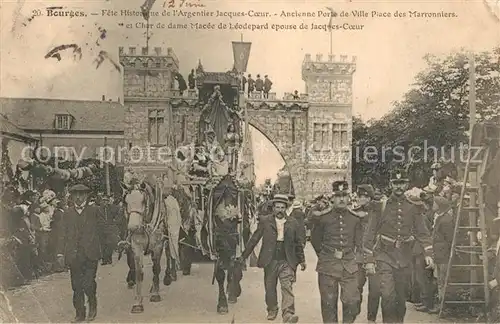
388 243
336 234
281 252
79 248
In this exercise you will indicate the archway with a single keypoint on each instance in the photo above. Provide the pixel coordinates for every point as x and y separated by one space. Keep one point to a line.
268 160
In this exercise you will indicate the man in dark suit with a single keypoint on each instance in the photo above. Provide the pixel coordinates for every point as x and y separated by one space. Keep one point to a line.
281 252
79 248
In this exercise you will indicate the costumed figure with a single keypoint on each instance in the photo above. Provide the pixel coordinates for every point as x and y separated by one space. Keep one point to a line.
233 142
215 116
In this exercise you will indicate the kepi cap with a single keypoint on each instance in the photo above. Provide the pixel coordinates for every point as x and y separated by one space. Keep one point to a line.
340 188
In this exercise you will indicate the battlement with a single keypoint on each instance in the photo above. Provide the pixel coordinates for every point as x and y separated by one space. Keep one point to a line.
144 57
333 67
344 59
145 51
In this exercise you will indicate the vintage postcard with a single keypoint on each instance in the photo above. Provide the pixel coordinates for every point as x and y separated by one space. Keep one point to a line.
216 161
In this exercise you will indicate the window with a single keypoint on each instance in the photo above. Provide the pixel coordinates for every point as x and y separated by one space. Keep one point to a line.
340 138
321 138
293 130
157 133
131 50
325 143
63 121
344 143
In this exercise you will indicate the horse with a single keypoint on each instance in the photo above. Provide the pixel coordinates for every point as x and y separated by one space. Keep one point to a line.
224 199
147 235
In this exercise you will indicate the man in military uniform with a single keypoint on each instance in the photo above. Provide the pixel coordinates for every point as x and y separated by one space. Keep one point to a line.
366 208
336 234
388 243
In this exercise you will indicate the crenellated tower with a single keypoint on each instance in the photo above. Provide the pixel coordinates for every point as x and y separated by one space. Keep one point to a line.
329 138
148 88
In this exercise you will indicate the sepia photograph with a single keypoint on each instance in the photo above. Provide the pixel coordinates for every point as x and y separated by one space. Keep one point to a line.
282 161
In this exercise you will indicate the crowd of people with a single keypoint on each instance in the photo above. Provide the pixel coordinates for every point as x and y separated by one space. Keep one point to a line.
32 230
400 242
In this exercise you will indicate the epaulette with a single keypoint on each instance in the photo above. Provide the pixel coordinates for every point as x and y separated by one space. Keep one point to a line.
414 202
317 213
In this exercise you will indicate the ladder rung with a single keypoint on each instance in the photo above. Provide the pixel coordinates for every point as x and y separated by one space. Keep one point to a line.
469 247
464 301
470 228
470 208
472 188
467 265
464 284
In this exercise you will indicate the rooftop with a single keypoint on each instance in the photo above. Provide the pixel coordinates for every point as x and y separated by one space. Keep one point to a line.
8 127
39 114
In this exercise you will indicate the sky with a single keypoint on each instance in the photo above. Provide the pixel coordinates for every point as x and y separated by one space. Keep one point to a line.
389 50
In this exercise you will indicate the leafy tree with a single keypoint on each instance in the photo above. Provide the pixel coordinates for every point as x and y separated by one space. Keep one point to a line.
434 113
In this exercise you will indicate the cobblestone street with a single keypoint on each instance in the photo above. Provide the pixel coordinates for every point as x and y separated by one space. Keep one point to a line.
189 299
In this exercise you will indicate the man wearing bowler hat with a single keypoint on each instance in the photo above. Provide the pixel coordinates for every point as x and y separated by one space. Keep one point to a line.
281 252
79 248
388 243
336 234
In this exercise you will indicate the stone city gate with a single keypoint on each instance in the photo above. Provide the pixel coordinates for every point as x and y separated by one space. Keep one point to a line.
312 133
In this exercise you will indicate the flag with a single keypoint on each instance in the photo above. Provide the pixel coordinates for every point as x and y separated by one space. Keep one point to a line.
241 51
146 8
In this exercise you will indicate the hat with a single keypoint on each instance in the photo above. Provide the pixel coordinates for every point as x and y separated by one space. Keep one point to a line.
366 190
340 188
79 187
399 176
280 198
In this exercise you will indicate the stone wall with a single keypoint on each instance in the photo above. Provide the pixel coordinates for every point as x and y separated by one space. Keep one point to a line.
329 88
286 128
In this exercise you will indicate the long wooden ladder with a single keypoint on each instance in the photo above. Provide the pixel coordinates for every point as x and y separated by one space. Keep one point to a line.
470 221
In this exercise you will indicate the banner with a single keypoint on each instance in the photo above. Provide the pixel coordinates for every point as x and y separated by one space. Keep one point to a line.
241 51
146 8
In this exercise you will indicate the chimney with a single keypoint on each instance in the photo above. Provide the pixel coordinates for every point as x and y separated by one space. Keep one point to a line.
103 98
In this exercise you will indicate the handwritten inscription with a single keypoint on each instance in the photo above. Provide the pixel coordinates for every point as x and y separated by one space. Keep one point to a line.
183 4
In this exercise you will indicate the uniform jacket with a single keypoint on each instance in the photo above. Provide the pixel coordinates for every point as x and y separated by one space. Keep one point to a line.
267 231
80 231
442 236
336 230
401 223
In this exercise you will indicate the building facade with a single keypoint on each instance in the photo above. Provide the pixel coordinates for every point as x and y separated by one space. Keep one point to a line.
312 132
